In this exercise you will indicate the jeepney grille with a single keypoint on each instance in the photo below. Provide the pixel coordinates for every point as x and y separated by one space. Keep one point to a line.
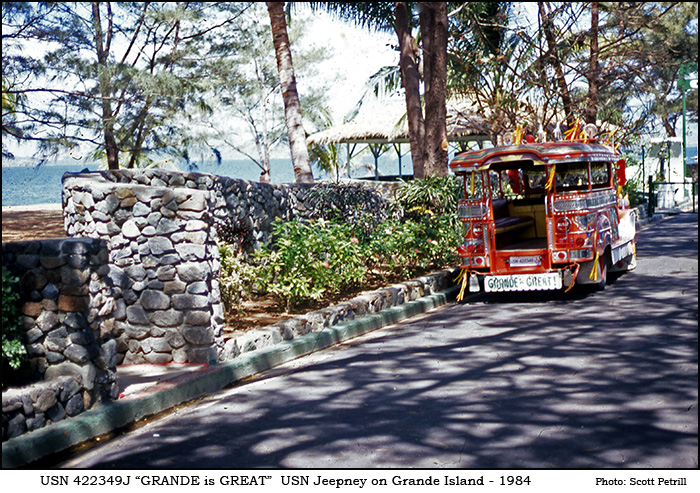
477 210
580 254
584 203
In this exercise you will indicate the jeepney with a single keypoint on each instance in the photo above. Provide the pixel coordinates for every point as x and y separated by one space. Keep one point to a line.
543 215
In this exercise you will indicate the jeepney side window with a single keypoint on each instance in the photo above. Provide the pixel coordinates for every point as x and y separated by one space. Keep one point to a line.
572 177
495 182
600 175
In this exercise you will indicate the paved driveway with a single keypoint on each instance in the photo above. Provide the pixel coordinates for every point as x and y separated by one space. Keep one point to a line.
540 380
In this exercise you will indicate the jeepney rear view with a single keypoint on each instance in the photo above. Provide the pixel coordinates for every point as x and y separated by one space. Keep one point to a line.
543 216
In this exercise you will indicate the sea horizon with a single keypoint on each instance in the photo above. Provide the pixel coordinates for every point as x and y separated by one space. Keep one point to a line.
25 182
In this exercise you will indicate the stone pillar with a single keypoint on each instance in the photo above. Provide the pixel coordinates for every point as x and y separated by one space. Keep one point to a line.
164 260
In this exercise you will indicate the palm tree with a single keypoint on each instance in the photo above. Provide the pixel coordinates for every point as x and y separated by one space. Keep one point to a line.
288 85
427 134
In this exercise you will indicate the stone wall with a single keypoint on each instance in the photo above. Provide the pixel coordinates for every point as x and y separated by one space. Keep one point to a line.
230 201
163 261
161 228
67 306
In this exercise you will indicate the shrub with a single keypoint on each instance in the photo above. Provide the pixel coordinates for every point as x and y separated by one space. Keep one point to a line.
237 278
356 231
309 258
635 192
427 241
13 350
437 194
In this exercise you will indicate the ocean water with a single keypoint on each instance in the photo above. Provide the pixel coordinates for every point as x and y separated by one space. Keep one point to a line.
30 185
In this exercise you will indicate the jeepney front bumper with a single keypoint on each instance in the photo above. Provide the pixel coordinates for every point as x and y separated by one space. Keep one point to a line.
523 282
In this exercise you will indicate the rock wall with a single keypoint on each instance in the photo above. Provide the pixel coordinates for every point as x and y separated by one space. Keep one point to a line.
67 306
161 228
163 260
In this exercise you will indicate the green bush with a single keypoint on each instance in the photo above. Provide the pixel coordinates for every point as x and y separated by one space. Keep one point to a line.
356 234
437 194
428 241
237 278
13 350
307 259
634 191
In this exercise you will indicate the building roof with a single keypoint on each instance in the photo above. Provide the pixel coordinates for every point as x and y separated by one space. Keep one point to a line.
385 122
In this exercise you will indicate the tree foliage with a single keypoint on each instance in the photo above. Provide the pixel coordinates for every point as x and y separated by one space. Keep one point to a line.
615 62
244 91
423 70
121 78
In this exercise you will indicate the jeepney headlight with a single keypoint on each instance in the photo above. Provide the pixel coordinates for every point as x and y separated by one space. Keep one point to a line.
478 229
559 256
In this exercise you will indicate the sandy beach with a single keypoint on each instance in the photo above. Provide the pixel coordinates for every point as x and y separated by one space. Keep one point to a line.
31 208
32 222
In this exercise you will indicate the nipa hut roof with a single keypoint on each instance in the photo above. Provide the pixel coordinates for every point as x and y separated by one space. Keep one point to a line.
385 122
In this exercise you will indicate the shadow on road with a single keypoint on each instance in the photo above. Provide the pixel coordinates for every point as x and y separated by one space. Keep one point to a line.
544 380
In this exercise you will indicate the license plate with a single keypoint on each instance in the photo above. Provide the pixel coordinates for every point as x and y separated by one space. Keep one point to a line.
526 261
523 282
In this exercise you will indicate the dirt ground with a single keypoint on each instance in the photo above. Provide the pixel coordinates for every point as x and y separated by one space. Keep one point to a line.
32 222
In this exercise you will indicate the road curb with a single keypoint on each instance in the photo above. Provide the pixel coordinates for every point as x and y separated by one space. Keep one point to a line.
32 447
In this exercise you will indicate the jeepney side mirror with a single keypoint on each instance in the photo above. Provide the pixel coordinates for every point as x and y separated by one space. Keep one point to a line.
621 178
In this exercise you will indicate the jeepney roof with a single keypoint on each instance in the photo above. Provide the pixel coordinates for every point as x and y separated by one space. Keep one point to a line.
538 154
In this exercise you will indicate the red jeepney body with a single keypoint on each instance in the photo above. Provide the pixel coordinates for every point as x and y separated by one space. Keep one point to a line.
543 216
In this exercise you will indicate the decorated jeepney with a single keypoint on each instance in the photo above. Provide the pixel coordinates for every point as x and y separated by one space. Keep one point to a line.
543 215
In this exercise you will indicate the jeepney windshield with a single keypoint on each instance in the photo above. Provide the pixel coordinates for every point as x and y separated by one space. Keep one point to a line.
572 176
600 175
475 187
535 177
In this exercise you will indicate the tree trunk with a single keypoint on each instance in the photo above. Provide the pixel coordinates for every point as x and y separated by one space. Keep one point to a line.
411 83
433 16
102 49
593 73
556 63
288 85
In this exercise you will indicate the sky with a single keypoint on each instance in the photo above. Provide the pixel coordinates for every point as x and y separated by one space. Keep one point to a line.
358 53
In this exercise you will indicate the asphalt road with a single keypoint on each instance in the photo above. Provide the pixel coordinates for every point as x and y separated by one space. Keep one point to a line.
539 380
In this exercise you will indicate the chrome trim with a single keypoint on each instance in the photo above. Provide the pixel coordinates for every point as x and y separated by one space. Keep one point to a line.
472 210
594 201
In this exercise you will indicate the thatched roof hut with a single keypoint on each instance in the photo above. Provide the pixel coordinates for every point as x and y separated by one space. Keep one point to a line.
383 124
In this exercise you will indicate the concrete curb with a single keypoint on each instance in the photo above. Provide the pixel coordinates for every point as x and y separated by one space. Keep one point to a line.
30 448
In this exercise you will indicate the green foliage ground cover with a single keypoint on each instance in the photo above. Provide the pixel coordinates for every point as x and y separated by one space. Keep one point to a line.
357 235
13 350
